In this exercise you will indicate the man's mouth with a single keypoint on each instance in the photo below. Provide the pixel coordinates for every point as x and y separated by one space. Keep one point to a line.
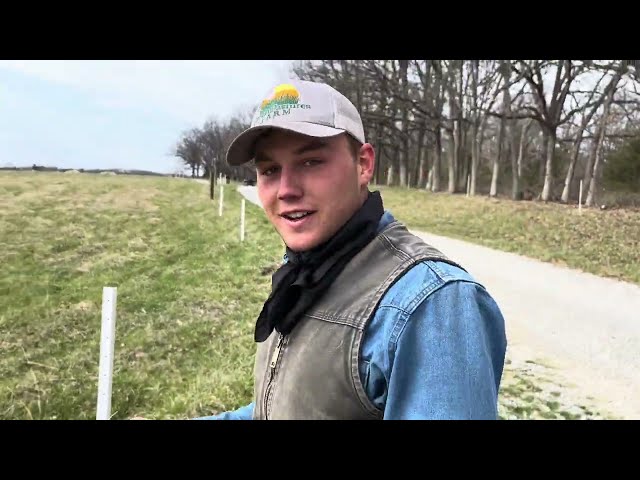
297 215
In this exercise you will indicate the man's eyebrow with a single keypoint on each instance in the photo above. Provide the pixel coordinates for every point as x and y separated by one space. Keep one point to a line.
261 157
312 145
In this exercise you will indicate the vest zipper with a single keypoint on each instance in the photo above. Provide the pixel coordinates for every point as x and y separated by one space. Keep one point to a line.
272 370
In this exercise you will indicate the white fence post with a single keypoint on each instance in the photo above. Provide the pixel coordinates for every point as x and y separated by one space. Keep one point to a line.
221 197
107 340
242 221
580 199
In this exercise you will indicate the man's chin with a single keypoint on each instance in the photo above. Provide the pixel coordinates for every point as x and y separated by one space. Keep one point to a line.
299 243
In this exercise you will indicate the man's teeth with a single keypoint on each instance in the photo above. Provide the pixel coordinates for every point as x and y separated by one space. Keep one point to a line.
297 214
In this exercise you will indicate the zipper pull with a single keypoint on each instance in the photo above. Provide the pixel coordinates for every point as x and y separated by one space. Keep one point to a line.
276 352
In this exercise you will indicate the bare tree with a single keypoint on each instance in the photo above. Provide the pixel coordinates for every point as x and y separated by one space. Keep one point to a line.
586 115
189 150
599 140
549 111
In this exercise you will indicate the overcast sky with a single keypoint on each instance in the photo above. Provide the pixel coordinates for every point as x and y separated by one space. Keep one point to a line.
119 114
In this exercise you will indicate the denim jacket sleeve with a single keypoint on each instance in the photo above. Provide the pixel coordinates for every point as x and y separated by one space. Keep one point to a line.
243 413
435 348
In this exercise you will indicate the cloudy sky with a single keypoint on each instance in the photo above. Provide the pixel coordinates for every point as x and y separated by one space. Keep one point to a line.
119 114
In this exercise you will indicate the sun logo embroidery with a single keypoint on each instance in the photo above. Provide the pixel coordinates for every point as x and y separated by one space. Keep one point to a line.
284 94
284 99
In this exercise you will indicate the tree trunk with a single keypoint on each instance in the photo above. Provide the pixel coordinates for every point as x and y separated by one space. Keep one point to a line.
523 136
586 118
390 173
452 162
516 192
424 166
454 127
422 149
465 162
591 195
602 129
548 170
496 161
564 198
437 158
475 153
542 156
378 140
460 158
211 183
590 179
588 169
404 134
456 160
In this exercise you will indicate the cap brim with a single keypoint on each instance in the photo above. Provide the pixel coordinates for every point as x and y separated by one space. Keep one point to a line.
241 149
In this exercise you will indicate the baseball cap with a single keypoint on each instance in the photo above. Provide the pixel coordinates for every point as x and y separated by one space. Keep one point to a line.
310 108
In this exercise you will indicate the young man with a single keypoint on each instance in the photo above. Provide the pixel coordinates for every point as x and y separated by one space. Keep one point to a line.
365 320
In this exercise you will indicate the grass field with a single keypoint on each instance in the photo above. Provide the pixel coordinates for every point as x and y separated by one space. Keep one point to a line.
188 290
188 294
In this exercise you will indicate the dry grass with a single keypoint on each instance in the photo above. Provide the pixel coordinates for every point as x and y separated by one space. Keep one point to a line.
602 242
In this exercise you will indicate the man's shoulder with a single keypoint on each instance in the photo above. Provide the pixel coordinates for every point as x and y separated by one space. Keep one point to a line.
425 276
405 244
422 280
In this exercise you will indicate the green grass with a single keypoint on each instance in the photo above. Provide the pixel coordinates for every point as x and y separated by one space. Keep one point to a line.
524 396
188 295
189 291
605 243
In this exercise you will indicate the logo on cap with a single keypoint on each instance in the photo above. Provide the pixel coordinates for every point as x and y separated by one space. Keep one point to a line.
284 94
283 98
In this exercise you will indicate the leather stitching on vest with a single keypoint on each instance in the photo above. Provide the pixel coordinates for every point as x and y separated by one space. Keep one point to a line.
350 321
393 249
366 403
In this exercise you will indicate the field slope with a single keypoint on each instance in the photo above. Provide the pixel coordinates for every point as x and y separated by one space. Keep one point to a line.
188 295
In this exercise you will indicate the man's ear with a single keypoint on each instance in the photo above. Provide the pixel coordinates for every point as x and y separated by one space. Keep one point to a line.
366 162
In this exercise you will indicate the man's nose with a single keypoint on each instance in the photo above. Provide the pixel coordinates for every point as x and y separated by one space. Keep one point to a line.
289 186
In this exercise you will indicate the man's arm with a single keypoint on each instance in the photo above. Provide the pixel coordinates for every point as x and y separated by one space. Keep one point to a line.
242 413
449 357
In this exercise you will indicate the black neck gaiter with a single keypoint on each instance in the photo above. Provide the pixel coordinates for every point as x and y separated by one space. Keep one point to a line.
306 276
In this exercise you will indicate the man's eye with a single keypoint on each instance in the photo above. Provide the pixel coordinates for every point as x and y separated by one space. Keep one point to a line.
312 161
268 171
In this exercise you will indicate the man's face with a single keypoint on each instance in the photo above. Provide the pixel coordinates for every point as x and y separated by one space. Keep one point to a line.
309 187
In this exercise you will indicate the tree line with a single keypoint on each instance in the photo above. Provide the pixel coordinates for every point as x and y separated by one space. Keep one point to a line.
535 129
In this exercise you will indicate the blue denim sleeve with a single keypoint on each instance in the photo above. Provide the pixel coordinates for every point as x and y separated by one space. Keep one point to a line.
449 357
242 413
